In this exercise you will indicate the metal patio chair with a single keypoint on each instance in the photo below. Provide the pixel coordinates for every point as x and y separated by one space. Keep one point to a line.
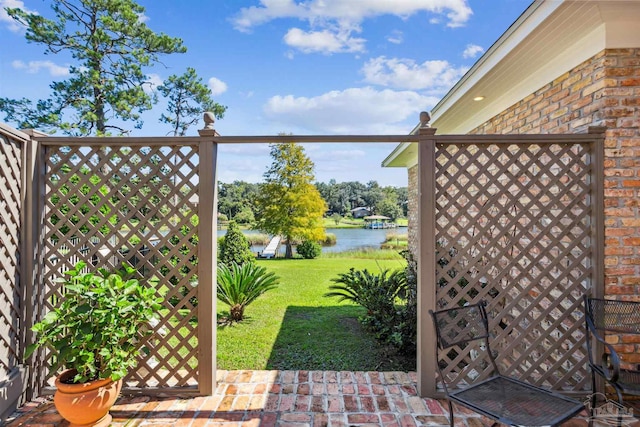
505 400
609 316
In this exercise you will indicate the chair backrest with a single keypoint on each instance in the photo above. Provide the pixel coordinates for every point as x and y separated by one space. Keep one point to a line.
458 326
613 315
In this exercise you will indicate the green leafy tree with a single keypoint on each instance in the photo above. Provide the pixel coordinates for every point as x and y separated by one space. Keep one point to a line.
337 218
188 97
373 196
389 207
237 197
240 285
245 216
289 204
235 248
112 45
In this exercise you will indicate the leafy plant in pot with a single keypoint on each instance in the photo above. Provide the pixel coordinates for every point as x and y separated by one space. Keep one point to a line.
94 335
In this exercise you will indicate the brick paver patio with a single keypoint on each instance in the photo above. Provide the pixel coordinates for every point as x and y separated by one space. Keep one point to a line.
284 399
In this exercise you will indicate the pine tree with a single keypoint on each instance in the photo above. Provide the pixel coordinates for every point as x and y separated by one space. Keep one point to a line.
188 98
112 45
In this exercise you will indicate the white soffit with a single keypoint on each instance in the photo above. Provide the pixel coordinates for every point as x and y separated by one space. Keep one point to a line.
550 38
404 155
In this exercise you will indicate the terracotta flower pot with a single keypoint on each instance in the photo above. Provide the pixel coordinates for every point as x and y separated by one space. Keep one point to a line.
85 404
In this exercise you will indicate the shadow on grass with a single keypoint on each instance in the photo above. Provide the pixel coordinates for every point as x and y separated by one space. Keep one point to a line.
331 338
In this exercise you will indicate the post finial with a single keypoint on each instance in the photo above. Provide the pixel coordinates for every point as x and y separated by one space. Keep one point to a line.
209 120
424 119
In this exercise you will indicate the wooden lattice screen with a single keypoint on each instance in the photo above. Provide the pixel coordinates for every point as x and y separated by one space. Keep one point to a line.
514 227
13 324
137 204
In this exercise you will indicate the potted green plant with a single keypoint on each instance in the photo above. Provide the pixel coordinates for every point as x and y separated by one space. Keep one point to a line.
94 335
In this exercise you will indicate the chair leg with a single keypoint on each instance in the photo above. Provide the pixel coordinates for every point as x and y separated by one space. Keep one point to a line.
450 413
593 397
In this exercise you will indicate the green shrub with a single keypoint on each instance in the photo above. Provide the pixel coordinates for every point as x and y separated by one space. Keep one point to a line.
240 285
309 249
378 293
99 324
235 247
404 336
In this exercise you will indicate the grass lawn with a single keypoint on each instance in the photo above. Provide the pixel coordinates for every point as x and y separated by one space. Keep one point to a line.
295 327
344 223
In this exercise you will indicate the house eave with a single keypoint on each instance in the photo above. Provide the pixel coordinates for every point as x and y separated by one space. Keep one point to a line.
547 40
404 155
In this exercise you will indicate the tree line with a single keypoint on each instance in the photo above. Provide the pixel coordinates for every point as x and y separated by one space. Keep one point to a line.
237 200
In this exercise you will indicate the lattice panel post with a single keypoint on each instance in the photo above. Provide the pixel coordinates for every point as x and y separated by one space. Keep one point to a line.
514 228
207 267
426 354
13 311
133 203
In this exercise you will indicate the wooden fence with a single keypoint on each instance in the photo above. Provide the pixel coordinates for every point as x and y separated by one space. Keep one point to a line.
14 287
515 220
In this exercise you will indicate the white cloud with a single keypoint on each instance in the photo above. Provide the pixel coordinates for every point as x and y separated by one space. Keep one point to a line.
472 51
11 23
396 37
246 150
355 110
333 22
143 18
434 76
353 154
34 67
153 81
325 41
217 86
315 11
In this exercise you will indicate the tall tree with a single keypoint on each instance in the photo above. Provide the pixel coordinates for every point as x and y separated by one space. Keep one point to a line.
373 196
289 204
111 44
188 97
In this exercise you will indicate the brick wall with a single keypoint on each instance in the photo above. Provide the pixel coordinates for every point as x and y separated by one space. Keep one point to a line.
602 91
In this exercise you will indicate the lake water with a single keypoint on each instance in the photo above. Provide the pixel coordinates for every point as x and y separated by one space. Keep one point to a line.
346 239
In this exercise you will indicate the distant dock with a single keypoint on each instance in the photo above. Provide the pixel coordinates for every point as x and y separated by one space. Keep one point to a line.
272 248
378 222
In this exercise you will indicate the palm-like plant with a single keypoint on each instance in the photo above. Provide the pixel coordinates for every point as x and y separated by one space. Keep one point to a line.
375 292
378 294
240 285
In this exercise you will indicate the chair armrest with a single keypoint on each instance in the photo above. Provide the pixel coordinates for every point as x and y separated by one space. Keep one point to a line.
611 360
611 365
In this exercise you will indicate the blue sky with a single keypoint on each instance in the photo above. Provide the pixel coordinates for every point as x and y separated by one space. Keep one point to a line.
301 67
